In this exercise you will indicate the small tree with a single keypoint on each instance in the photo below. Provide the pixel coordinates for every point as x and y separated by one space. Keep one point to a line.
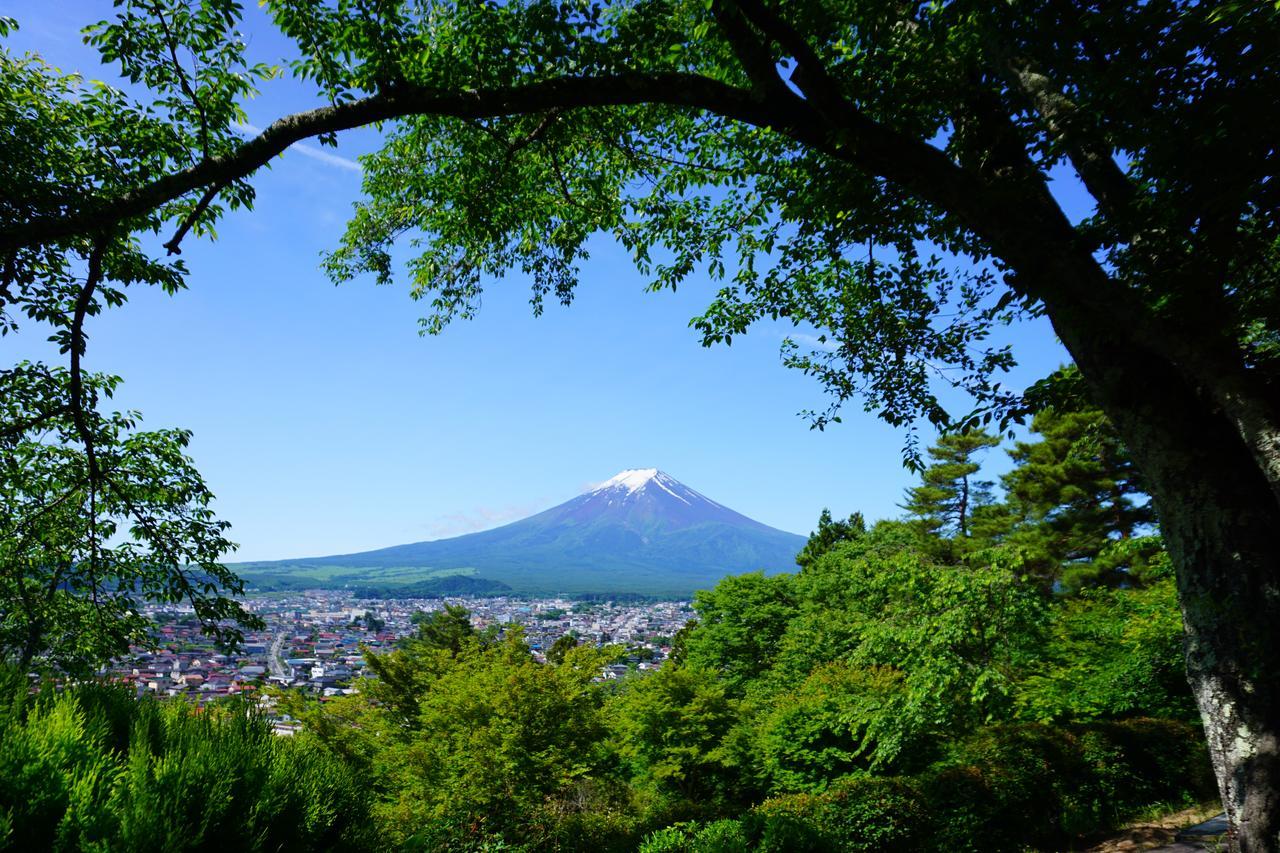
740 622
448 628
829 534
91 530
944 502
480 745
561 647
670 728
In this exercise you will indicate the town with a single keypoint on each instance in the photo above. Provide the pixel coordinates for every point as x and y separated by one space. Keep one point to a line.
316 640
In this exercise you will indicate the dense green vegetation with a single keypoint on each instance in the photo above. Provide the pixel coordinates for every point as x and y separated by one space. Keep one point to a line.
912 686
978 675
97 517
91 768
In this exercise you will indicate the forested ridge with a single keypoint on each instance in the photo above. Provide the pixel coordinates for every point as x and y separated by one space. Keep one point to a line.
982 674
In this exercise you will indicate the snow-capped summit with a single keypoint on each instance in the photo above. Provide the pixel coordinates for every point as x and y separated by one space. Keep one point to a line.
630 479
638 480
645 502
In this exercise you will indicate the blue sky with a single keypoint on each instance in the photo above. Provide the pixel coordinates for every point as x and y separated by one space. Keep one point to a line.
325 424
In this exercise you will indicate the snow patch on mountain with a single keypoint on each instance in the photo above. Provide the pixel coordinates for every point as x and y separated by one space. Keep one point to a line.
632 479
657 481
633 483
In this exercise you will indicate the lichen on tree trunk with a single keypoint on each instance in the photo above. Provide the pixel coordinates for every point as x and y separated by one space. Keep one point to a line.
1227 563
1221 523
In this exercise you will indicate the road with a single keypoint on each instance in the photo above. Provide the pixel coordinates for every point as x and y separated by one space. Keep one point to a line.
276 665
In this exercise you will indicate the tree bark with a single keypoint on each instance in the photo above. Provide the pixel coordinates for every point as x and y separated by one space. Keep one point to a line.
1221 523
1206 436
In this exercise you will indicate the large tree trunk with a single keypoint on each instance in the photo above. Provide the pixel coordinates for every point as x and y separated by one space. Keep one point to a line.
1221 522
1223 533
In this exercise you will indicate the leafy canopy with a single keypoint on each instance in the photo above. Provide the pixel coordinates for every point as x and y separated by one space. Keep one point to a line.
97 516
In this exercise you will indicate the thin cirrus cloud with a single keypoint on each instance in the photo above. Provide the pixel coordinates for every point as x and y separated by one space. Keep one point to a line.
481 518
813 341
312 151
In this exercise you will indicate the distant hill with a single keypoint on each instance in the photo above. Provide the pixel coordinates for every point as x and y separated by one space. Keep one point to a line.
642 532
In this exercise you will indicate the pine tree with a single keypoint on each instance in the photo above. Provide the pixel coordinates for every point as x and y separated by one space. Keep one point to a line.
449 628
944 502
829 534
1076 496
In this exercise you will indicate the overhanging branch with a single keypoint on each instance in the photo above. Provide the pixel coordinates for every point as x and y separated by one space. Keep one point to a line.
752 53
672 88
1102 177
824 121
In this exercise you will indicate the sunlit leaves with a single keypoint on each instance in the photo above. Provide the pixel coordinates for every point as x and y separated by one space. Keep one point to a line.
479 741
79 557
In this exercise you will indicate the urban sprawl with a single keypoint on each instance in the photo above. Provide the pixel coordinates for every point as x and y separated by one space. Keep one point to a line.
317 640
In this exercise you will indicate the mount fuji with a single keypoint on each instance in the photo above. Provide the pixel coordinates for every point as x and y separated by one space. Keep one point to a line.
641 531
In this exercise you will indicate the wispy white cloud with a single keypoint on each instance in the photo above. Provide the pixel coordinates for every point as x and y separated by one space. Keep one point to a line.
326 157
480 518
312 151
813 341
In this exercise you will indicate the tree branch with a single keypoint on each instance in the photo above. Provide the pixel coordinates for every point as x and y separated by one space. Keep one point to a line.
564 184
171 43
1021 224
39 512
752 54
83 302
10 271
860 140
534 135
174 246
15 430
1102 177
81 310
811 76
636 153
672 88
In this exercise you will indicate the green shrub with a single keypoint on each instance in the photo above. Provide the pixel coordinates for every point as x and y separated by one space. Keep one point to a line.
669 839
721 836
1010 787
856 814
91 768
1144 761
1007 788
55 775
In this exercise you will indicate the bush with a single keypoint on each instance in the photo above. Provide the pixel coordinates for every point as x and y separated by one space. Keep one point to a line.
1006 788
1014 786
91 768
721 836
1144 761
855 814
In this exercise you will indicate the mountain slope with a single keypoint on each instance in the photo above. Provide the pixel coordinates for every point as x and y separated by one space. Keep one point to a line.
642 531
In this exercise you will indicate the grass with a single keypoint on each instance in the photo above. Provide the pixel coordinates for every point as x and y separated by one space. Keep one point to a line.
335 575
